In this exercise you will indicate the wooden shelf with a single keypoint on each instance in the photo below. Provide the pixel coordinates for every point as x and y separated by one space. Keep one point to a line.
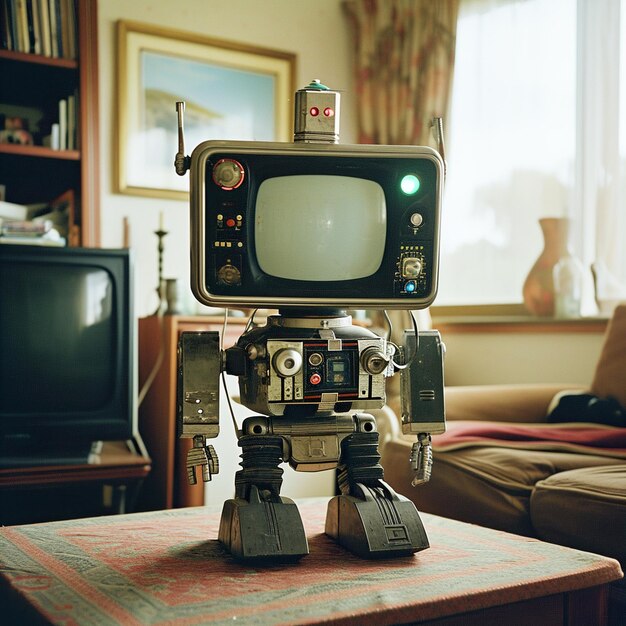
115 461
39 152
24 57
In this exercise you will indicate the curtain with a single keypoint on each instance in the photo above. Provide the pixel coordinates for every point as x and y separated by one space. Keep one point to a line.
600 189
404 59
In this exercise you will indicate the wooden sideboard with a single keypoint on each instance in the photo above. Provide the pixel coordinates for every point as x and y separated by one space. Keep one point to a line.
166 487
108 484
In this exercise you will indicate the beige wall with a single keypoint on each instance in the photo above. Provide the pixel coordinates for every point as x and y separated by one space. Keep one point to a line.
530 357
316 32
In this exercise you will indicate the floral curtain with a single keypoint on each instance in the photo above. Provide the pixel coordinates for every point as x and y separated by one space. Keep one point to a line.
404 60
404 53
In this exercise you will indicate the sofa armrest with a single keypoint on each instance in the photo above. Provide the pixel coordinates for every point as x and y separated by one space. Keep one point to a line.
527 403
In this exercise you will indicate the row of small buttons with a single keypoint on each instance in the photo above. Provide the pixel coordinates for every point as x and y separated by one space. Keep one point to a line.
226 244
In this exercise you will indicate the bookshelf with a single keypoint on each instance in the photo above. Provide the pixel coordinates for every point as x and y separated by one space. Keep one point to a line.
31 87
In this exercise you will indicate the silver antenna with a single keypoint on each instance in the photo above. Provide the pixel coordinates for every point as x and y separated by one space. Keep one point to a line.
437 126
181 162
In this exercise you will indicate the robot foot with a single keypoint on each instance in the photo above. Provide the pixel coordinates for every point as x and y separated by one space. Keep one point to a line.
376 523
263 528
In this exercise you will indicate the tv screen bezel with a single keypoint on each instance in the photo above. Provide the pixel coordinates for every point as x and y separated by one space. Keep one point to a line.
200 246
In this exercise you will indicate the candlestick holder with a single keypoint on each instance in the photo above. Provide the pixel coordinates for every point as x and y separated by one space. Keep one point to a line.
160 285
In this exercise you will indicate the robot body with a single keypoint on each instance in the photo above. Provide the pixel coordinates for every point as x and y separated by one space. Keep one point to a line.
310 385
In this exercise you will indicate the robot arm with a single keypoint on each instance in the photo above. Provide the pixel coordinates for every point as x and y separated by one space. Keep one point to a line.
199 365
422 400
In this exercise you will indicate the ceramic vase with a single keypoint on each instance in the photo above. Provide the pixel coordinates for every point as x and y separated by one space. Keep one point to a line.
538 290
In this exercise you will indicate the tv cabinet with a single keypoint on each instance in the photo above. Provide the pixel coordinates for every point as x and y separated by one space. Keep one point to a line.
32 86
166 487
108 485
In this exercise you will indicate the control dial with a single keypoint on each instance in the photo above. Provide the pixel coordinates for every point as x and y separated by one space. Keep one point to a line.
287 362
229 274
228 174
411 267
374 361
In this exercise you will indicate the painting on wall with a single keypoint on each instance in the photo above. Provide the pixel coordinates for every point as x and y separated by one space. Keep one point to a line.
231 91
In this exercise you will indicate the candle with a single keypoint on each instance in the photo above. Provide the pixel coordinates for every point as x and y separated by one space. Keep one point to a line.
161 220
126 232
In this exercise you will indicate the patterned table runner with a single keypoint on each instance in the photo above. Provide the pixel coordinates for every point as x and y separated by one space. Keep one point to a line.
168 567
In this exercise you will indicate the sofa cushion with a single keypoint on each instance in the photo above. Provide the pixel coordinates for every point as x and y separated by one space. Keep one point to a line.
583 508
486 485
610 376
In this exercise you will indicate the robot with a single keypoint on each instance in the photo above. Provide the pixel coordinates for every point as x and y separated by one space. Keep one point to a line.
311 374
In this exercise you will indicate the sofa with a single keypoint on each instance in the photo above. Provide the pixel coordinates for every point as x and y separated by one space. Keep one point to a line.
531 459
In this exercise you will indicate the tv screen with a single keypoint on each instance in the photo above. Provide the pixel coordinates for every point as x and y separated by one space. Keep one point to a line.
67 373
301 224
47 354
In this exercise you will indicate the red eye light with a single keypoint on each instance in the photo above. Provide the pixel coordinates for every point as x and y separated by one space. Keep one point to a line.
314 111
328 112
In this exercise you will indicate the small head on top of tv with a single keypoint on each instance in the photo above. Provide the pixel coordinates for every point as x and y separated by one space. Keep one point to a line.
313 223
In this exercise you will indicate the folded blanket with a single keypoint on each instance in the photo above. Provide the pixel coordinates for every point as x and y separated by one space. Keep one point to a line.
575 437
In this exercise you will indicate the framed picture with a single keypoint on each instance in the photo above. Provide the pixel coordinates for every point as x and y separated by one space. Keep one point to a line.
231 91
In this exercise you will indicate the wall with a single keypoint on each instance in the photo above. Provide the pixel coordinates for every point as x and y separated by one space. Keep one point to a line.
316 32
475 358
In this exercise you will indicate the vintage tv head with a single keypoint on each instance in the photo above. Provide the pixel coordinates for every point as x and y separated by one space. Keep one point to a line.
313 224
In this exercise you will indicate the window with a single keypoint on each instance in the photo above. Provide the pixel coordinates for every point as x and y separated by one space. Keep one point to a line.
536 130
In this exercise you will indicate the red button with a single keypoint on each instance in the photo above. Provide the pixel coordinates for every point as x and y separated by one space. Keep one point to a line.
315 379
230 222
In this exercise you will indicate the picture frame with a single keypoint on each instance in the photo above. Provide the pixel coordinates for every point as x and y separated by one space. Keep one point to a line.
232 91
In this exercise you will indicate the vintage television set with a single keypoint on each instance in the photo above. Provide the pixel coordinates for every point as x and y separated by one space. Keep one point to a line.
67 352
310 226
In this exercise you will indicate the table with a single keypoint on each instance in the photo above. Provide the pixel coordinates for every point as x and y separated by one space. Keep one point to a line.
168 567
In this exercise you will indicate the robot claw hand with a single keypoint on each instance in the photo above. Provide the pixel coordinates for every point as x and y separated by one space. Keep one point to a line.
421 459
204 456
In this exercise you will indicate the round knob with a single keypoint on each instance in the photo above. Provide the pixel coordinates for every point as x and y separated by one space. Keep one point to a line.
287 362
374 361
315 359
228 174
417 219
229 274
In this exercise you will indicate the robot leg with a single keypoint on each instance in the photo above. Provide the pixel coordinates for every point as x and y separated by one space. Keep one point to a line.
259 523
369 518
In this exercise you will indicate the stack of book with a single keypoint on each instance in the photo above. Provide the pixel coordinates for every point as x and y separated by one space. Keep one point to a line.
17 227
46 27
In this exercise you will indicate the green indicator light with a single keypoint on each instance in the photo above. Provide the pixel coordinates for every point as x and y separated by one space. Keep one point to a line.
410 184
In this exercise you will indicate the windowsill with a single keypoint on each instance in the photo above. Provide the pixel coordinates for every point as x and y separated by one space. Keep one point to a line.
508 319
